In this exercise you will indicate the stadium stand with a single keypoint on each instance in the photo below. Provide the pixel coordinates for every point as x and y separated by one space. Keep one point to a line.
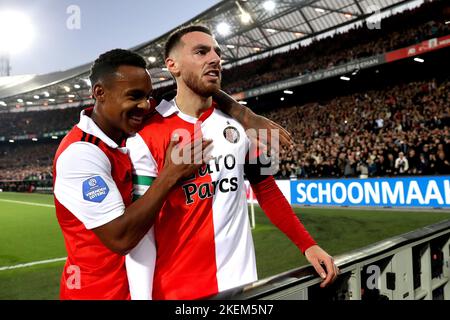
362 134
38 122
413 118
26 165
348 134
398 31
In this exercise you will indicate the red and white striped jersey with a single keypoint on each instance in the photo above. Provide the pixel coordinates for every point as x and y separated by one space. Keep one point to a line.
203 239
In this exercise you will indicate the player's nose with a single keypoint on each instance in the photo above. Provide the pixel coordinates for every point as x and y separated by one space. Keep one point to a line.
214 59
144 104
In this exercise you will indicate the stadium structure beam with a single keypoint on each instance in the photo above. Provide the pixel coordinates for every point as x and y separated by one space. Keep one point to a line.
239 47
334 10
306 20
259 26
356 2
271 18
229 53
243 31
311 35
210 17
290 30
263 45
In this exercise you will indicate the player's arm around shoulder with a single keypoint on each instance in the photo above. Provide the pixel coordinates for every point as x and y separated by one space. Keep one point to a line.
125 232
85 186
252 122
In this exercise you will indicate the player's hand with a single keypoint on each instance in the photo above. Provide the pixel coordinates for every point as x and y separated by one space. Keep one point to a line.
249 120
277 136
185 158
323 264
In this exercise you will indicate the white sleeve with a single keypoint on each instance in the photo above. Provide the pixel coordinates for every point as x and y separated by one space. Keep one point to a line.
140 262
145 168
140 266
85 187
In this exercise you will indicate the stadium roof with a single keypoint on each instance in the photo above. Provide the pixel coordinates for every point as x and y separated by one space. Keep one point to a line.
243 28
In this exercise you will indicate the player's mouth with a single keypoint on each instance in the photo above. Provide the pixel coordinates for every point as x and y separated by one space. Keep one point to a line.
136 121
212 75
136 118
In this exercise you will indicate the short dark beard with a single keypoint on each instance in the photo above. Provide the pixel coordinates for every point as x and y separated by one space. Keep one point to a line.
191 83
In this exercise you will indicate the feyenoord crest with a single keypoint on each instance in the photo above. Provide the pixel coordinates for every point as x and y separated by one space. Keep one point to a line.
231 134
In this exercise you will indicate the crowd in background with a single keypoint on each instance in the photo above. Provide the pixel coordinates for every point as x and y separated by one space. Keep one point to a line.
27 164
37 122
404 130
395 32
398 130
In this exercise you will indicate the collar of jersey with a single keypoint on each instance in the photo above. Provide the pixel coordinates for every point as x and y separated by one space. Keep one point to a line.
168 108
88 125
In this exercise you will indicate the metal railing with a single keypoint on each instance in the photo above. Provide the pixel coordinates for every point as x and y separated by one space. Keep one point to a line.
412 266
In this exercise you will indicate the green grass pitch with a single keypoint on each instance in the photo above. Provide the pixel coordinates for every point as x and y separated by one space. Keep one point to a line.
30 233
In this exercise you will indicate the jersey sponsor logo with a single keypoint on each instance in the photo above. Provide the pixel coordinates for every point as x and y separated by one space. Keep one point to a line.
231 134
95 189
209 189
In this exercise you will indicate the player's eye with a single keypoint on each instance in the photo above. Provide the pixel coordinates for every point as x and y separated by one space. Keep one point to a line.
137 97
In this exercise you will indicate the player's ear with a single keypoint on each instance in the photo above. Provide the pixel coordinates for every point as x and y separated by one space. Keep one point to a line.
172 66
98 92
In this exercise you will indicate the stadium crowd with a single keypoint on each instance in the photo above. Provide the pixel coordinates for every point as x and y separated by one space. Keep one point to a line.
404 130
396 32
401 130
25 166
38 122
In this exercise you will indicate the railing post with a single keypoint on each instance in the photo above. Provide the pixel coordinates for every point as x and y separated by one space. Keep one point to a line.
354 284
402 267
446 269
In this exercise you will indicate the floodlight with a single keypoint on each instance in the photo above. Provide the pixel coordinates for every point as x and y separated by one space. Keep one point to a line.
16 31
269 5
223 29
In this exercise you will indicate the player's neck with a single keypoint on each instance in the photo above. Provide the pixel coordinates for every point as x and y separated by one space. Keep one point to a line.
191 103
111 132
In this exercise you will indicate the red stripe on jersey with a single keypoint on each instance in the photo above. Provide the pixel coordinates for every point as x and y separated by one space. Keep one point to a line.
184 232
102 272
205 115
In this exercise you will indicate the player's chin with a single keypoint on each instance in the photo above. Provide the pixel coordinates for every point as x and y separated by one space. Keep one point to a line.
212 88
132 127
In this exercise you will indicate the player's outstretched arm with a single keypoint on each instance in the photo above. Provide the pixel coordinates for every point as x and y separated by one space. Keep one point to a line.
280 213
250 120
124 233
319 259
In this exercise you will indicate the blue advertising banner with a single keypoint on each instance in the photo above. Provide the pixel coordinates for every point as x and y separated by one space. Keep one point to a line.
393 192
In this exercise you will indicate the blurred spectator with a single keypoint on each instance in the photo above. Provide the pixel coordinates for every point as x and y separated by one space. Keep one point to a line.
401 164
442 164
363 169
